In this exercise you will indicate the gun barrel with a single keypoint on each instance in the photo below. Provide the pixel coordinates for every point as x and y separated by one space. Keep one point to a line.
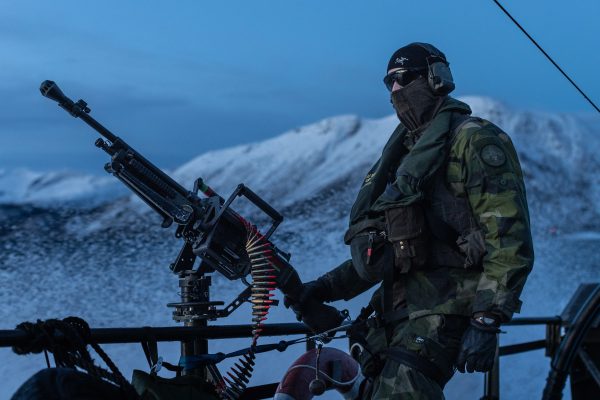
98 127
51 90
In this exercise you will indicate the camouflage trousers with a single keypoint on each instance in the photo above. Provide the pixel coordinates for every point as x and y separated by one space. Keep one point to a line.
434 337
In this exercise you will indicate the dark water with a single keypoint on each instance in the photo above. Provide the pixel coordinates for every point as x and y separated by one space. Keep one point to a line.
56 263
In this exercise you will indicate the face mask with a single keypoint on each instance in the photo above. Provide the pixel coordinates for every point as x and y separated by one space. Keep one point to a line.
415 104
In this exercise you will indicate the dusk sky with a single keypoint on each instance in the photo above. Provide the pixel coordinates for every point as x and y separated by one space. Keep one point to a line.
176 79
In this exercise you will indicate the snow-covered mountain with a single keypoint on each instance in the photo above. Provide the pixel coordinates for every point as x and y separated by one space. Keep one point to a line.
56 188
82 245
558 152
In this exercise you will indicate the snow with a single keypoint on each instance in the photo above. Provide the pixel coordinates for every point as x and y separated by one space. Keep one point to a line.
294 165
75 244
24 186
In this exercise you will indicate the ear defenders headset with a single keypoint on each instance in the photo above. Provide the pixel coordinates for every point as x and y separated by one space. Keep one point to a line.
438 71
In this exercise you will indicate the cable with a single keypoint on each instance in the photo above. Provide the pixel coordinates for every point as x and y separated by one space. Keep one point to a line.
546 54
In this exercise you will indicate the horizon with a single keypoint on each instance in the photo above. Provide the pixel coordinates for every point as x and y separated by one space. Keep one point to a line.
94 163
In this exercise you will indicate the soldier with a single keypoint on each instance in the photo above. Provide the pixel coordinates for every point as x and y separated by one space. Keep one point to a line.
441 222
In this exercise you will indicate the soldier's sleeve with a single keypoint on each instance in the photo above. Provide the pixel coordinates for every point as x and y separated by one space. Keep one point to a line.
496 192
344 282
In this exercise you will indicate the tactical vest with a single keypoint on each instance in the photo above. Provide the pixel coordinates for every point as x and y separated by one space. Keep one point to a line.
456 213
450 233
455 239
466 248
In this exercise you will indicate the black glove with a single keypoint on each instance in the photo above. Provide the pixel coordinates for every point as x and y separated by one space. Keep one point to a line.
308 306
478 347
312 292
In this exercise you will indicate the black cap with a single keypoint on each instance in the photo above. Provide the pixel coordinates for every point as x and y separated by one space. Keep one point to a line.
414 56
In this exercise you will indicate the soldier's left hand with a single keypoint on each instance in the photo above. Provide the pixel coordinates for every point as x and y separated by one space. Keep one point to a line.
478 348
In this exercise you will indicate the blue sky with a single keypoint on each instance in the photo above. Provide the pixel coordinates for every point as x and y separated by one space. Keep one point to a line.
176 79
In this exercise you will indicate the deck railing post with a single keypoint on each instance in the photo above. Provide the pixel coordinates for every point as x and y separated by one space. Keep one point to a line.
491 385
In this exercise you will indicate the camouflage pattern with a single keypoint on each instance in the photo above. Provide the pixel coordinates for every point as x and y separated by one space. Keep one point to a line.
399 382
484 169
479 191
434 337
496 193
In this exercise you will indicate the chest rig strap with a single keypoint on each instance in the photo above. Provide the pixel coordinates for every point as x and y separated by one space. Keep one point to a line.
388 289
441 230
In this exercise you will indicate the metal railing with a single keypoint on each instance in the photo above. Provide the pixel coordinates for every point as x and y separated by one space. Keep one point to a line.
580 319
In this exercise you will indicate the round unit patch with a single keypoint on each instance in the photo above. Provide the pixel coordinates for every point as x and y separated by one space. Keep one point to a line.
493 155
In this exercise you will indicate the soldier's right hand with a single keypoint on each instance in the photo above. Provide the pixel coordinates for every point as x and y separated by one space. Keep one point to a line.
313 291
309 308
321 317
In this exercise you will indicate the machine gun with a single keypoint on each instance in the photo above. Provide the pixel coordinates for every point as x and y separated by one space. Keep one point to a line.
209 227
211 230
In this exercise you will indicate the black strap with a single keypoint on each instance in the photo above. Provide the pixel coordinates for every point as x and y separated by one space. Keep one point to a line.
421 364
150 348
392 318
358 331
358 227
365 313
395 316
388 287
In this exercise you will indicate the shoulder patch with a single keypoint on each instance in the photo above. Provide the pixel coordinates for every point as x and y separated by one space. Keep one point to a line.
493 155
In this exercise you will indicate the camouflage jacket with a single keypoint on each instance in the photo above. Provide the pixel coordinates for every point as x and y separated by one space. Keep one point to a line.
482 167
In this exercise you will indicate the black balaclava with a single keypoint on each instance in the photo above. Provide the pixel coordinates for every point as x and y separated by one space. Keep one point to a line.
416 104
